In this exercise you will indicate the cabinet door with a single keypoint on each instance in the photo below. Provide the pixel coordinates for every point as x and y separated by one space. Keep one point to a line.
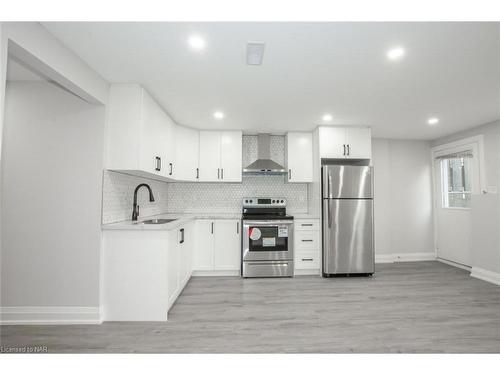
169 147
331 142
227 247
203 257
231 156
172 268
209 159
186 159
360 143
152 127
299 157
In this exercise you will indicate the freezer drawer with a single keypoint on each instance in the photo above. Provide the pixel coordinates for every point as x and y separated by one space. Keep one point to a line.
346 181
348 245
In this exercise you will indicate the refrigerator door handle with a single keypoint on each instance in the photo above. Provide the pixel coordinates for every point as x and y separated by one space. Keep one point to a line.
329 213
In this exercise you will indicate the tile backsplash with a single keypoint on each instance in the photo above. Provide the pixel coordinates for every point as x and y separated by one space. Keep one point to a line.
118 197
195 197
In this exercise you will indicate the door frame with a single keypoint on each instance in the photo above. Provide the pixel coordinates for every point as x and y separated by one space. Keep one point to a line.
477 143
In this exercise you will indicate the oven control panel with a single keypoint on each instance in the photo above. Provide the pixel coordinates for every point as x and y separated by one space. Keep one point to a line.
264 202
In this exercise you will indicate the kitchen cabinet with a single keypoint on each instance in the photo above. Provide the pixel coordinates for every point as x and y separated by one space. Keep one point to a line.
218 246
186 154
307 246
180 251
299 156
344 143
220 156
140 135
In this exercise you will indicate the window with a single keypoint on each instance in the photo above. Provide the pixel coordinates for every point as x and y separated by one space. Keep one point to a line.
456 172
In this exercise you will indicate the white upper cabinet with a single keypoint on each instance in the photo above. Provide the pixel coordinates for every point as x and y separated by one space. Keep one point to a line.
344 143
185 167
220 156
209 163
299 156
231 156
139 132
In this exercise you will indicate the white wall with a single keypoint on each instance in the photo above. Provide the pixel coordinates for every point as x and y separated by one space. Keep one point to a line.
485 208
403 199
51 198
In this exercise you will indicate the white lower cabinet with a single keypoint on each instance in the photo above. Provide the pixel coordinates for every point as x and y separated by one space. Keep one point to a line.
144 271
307 246
217 247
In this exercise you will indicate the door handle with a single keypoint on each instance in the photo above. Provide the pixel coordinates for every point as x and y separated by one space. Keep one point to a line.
289 174
218 173
237 228
212 230
222 173
160 164
182 235
344 149
197 173
171 168
348 150
329 215
157 163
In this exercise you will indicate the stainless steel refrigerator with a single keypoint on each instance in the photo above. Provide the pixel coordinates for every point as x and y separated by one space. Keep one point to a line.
348 243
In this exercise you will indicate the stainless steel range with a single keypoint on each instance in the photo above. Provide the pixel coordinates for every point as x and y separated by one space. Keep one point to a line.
267 238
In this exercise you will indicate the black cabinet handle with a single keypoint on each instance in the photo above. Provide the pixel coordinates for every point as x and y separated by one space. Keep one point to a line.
212 227
307 259
171 168
344 149
237 228
182 235
307 240
289 174
197 173
222 173
158 163
348 150
306 225
218 173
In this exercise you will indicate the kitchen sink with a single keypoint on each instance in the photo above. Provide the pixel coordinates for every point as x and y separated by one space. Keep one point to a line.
157 221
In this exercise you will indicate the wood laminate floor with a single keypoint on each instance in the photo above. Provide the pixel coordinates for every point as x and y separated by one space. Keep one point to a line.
404 307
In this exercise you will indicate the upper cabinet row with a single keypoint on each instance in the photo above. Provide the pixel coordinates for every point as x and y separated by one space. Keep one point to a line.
143 140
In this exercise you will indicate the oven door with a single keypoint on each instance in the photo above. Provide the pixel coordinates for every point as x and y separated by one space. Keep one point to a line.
267 240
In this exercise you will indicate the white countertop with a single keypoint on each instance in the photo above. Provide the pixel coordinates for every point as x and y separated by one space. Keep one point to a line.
181 219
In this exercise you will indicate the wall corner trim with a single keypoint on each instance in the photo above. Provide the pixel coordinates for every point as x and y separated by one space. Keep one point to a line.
485 275
49 315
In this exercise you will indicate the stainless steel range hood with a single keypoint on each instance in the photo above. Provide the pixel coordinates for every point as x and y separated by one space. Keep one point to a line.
264 165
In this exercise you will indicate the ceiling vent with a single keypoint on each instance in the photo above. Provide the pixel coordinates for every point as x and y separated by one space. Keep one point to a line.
255 53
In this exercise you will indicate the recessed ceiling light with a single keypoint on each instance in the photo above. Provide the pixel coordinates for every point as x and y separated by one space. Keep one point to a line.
327 117
219 115
433 121
395 53
196 42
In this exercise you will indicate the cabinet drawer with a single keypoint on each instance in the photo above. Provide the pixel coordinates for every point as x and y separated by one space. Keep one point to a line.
307 260
300 225
307 240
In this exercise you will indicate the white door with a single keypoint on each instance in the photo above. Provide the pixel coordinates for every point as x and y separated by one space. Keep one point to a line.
169 148
299 157
152 125
172 267
231 156
359 143
227 248
456 176
186 154
209 157
203 255
332 142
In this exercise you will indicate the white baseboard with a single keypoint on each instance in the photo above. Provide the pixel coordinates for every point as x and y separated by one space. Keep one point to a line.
404 257
454 264
47 315
217 273
485 275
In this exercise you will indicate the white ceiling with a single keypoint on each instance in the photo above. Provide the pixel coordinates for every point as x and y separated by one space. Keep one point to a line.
451 71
